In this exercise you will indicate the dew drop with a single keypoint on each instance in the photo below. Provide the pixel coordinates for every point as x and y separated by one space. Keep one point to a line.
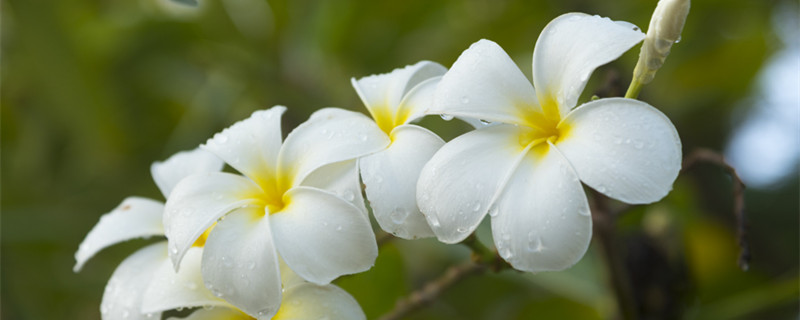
251 265
338 228
446 117
398 215
494 212
220 138
348 195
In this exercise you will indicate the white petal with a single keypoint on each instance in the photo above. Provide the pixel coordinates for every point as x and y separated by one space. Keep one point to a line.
567 52
134 218
330 135
182 164
390 177
183 289
251 146
240 264
123 295
623 148
198 201
215 314
418 101
309 301
340 178
459 184
484 83
321 237
541 222
382 93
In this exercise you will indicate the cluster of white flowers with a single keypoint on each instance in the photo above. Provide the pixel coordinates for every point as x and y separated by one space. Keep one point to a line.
267 242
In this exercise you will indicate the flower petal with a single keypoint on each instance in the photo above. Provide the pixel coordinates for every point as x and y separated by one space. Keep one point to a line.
240 264
340 178
541 222
330 135
418 101
216 314
321 237
182 164
623 148
183 289
390 177
198 201
251 146
309 301
383 93
462 180
569 49
123 295
134 218
484 83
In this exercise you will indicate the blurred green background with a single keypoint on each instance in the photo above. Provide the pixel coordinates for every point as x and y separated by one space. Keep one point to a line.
94 91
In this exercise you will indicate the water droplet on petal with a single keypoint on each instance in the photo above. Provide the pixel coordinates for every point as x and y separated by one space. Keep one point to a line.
446 117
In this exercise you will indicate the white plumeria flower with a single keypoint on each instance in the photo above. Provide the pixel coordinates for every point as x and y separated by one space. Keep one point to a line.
526 171
281 205
390 176
135 218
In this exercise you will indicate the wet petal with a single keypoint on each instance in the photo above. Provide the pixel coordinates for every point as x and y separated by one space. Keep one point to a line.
198 201
383 93
623 148
134 218
418 101
183 289
251 146
310 301
216 314
123 295
390 177
240 264
541 221
567 52
462 180
321 237
182 164
341 178
484 83
330 135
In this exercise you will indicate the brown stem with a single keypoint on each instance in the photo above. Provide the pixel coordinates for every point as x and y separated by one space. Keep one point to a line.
432 290
702 155
605 233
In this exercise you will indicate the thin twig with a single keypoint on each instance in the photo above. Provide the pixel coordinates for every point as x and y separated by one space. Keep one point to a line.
432 290
605 232
703 155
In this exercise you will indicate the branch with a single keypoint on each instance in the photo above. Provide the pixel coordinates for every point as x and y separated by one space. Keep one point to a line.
432 290
703 155
604 221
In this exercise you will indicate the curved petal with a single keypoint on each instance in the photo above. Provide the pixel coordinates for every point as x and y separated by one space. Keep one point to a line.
321 237
382 93
484 83
309 301
183 289
462 180
182 164
568 50
340 178
240 264
330 135
390 177
216 314
623 148
541 222
251 146
122 298
134 218
198 201
418 101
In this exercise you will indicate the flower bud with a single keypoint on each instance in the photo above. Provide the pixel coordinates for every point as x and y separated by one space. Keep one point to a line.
664 30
